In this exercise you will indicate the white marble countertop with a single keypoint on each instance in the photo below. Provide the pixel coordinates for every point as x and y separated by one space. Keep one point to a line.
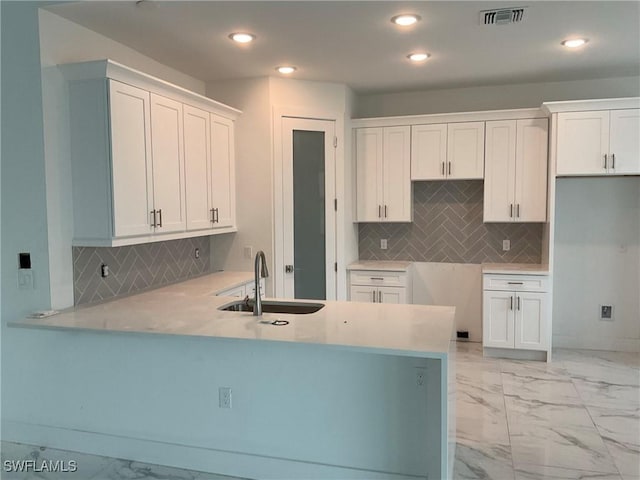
516 268
380 265
191 309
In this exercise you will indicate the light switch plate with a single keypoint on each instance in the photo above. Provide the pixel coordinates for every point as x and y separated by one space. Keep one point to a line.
383 243
248 252
506 245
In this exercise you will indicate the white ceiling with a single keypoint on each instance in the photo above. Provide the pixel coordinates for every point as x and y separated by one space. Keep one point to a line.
353 42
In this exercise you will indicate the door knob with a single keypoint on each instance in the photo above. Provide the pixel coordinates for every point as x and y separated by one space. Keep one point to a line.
288 268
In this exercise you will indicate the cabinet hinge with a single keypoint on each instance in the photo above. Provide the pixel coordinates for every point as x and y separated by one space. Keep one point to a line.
335 204
335 142
335 266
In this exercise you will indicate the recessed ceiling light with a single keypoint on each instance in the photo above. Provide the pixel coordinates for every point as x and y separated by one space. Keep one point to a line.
405 19
242 37
574 42
286 69
418 57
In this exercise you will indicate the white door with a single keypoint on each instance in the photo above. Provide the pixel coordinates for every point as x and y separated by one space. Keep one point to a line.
428 152
531 170
583 143
197 167
168 164
362 293
500 171
497 319
396 174
465 150
369 166
309 215
132 181
530 320
222 171
624 143
392 295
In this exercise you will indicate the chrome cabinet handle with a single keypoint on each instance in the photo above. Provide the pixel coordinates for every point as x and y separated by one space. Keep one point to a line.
515 283
443 169
605 161
385 211
216 218
376 278
511 210
510 303
374 296
379 296
518 303
449 168
613 161
518 210
213 216
160 216
379 211
153 223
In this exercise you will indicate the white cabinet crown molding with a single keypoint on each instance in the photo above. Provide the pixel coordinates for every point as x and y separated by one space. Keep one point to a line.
107 68
587 105
456 117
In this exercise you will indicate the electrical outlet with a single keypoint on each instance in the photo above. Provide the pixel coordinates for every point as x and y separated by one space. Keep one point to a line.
104 270
224 397
248 252
606 312
197 253
420 377
25 279
383 243
506 245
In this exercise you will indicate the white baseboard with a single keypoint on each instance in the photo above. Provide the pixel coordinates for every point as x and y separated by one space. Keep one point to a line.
515 354
598 343
184 456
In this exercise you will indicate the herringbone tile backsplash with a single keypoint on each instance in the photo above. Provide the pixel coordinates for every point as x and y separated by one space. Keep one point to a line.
447 227
135 268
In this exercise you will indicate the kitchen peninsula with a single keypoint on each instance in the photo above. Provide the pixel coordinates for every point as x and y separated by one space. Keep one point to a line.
352 391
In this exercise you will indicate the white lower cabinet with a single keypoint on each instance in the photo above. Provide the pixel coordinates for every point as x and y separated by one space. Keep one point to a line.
242 291
516 312
370 286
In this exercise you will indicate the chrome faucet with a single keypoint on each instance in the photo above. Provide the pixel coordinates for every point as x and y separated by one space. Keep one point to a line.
260 261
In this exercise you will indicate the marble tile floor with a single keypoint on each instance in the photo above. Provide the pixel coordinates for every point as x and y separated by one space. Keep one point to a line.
576 418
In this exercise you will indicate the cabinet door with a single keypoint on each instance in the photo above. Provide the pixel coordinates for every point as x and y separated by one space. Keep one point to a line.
498 319
624 145
583 142
396 174
363 293
465 150
239 292
197 167
531 321
428 152
500 171
392 295
167 151
223 171
531 170
132 173
369 174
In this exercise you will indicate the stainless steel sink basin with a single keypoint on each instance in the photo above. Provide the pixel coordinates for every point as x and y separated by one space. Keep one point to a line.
269 306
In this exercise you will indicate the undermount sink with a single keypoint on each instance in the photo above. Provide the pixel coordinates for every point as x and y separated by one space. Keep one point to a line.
268 306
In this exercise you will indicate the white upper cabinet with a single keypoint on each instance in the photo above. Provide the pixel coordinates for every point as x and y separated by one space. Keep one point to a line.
383 164
515 186
167 150
429 152
131 164
452 151
149 161
197 160
598 142
222 172
465 150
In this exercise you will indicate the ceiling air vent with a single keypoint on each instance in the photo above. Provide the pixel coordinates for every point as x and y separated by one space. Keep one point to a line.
502 16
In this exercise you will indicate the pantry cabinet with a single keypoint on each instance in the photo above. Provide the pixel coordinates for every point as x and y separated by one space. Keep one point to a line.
515 185
383 174
601 142
149 161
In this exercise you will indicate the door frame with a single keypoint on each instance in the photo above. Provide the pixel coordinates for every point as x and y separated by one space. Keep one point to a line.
279 113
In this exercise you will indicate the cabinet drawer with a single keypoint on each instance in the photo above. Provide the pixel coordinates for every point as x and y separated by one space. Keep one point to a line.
528 283
378 278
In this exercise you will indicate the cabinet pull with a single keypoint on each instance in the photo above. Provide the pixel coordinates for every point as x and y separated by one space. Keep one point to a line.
379 211
217 217
160 217
376 278
518 210
449 168
374 296
153 214
213 216
515 283
613 161
605 161
443 169
518 303
379 296
510 303
511 210
385 211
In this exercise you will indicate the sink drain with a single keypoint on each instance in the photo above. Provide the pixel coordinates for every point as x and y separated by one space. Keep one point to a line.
279 323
